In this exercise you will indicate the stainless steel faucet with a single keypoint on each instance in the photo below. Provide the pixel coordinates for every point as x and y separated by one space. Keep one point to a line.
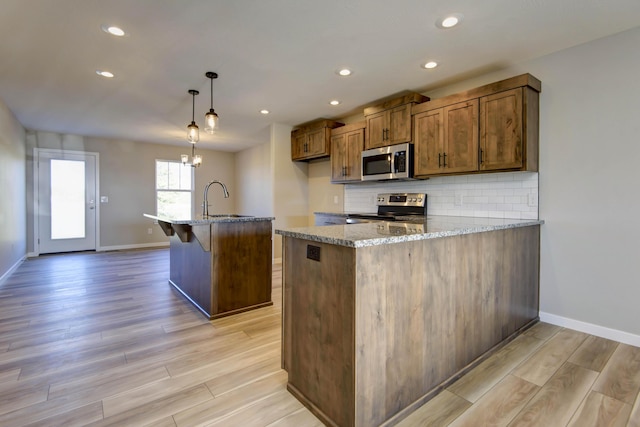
205 203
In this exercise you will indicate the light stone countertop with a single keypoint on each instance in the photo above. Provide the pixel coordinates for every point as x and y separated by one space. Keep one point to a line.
387 232
210 219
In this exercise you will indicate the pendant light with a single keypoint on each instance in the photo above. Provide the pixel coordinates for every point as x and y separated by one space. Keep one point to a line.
193 133
211 118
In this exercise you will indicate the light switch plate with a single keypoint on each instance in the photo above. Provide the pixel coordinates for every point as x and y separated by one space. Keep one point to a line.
104 199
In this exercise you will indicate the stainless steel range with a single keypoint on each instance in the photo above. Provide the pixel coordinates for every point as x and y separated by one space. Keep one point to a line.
394 207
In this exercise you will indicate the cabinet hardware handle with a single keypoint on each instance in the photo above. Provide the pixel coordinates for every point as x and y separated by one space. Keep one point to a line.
439 161
387 133
481 156
444 160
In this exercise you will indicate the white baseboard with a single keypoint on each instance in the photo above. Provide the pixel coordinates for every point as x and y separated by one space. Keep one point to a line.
589 328
11 269
138 246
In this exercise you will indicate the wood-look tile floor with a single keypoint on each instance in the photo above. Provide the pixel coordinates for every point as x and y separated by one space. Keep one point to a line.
102 339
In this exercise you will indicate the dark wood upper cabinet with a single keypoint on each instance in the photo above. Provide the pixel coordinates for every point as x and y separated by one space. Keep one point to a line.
501 131
389 122
312 140
490 128
446 139
347 143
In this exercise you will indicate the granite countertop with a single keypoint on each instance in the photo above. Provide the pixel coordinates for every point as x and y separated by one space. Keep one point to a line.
389 232
200 220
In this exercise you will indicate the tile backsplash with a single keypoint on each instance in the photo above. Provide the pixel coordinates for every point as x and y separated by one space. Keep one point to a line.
494 195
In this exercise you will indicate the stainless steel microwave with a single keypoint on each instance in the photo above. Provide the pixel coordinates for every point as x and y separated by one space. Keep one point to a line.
391 162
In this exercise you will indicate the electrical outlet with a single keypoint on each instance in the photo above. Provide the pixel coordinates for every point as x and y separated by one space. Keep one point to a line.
533 199
313 252
457 201
335 200
149 231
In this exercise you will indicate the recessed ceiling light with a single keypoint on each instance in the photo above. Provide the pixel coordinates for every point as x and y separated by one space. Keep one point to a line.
334 102
113 30
344 72
103 73
430 64
449 21
264 112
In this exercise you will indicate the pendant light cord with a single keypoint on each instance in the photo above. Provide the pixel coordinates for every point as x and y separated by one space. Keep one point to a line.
211 80
193 107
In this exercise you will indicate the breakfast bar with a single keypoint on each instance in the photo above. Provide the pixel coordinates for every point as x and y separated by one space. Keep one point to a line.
220 263
379 316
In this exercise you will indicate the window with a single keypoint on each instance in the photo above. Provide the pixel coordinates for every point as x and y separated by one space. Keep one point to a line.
174 189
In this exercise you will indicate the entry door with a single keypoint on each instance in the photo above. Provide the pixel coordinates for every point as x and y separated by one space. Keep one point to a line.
66 200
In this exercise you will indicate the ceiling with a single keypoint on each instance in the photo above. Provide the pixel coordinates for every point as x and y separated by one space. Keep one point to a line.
280 55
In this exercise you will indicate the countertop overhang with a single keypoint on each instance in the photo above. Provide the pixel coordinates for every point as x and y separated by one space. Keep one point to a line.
387 232
209 219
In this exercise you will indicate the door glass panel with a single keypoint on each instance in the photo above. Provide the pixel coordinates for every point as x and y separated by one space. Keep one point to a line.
67 199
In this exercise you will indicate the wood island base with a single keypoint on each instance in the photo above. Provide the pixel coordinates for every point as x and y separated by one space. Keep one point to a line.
372 333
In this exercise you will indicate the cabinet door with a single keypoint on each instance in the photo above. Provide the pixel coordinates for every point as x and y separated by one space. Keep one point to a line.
461 137
346 152
399 127
501 130
428 141
317 142
298 145
338 157
355 143
376 130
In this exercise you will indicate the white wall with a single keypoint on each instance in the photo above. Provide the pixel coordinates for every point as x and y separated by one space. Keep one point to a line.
323 196
13 228
290 185
589 177
127 178
253 180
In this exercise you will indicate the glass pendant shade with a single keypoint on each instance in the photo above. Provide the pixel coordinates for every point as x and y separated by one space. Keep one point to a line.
211 121
185 158
197 160
193 133
211 118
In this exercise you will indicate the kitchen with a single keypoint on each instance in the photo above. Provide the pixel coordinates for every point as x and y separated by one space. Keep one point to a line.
588 242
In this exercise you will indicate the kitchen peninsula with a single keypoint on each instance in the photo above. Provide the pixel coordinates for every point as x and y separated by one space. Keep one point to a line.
221 263
378 317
